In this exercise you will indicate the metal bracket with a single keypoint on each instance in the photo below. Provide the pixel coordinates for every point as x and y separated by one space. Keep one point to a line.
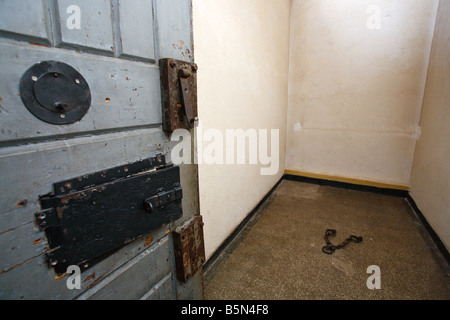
162 198
189 248
179 94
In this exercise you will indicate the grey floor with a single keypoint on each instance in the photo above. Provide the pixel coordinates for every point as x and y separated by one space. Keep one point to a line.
278 255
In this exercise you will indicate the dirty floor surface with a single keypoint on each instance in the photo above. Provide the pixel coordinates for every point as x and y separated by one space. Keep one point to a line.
279 254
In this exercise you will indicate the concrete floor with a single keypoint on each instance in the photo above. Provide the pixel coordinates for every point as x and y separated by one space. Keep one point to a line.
278 255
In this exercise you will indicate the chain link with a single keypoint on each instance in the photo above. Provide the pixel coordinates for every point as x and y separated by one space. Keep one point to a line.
331 248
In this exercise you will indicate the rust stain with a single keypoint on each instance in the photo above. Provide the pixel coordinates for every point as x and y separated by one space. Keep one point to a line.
95 281
37 44
59 211
22 203
148 241
37 241
2 233
60 277
107 100
14 266
17 265
92 276
128 79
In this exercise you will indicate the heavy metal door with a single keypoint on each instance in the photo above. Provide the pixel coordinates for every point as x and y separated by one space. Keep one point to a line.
103 58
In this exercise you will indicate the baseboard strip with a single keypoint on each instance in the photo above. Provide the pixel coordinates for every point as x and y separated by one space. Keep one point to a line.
393 190
437 241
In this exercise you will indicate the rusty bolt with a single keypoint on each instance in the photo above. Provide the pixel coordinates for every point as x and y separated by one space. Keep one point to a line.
185 73
194 67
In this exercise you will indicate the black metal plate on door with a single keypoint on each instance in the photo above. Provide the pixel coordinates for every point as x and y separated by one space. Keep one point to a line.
82 225
55 92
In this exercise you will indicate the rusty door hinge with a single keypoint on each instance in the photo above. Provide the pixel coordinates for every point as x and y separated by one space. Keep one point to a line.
178 94
189 248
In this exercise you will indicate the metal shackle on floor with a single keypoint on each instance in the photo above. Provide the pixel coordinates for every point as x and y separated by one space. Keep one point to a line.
331 248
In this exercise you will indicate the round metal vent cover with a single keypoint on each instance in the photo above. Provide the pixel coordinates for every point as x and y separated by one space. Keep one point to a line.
55 92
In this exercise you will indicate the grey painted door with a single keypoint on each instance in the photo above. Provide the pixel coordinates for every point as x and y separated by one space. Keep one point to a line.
115 45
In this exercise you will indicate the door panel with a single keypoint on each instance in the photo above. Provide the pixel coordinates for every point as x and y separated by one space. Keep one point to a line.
133 280
14 20
163 290
96 24
54 162
32 279
124 93
172 22
116 50
136 18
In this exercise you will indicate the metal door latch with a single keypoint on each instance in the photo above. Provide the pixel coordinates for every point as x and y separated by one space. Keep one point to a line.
178 94
163 197
88 217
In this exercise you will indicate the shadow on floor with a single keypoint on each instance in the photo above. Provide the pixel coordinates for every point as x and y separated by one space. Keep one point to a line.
278 255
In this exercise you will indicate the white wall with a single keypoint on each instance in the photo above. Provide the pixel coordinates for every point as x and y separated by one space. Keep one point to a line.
345 93
430 176
355 93
242 50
